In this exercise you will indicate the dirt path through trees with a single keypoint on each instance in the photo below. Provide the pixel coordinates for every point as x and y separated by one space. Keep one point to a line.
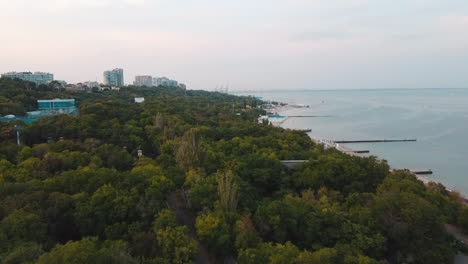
186 218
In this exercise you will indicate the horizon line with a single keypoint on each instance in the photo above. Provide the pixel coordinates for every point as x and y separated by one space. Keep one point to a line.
345 89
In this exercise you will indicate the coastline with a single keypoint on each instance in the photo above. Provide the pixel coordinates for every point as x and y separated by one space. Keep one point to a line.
282 109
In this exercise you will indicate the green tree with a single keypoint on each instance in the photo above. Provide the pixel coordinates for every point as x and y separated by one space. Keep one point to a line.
269 253
214 232
176 246
227 190
23 253
322 256
245 234
411 223
188 154
24 226
89 250
463 219
165 219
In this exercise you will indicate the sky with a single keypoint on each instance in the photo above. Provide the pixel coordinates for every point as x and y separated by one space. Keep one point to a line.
243 44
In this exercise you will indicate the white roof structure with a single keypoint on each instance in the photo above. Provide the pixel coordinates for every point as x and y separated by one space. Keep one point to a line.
139 100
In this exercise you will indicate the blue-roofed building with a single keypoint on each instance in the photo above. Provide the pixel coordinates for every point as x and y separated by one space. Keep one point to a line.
55 104
46 108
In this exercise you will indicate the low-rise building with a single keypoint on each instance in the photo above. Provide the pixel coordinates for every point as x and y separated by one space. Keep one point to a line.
92 84
78 87
55 104
139 100
38 77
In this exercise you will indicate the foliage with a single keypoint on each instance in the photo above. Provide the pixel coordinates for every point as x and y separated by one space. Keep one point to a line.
76 190
227 190
214 232
88 250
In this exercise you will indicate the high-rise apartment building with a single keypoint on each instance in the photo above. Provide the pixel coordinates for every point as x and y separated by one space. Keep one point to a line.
37 77
114 77
143 80
163 81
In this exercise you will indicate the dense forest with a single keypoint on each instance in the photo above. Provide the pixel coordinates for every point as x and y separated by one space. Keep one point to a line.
209 187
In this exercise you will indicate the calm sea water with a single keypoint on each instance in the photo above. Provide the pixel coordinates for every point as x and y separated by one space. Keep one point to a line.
437 118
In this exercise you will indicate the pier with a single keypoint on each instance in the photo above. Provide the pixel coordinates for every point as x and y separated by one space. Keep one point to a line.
307 130
374 141
421 172
357 151
310 116
333 144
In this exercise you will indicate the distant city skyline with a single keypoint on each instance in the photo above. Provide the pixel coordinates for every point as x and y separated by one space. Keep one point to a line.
246 45
113 78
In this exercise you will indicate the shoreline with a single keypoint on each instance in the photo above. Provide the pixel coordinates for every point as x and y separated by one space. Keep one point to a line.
346 150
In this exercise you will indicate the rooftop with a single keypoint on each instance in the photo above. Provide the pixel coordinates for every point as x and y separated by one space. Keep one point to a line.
56 100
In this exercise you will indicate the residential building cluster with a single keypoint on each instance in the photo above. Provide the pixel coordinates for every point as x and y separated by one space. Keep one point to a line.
149 81
112 80
37 77
163 81
143 80
83 87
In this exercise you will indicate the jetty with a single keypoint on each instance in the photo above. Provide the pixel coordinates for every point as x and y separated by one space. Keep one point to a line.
421 172
374 141
357 151
333 144
310 116
307 130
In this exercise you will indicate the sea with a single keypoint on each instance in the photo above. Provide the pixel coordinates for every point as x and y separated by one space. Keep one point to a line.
437 118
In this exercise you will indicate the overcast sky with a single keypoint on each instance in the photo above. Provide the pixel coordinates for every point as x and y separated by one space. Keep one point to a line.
246 44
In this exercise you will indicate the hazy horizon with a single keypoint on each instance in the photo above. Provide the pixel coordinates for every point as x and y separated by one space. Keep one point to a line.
246 45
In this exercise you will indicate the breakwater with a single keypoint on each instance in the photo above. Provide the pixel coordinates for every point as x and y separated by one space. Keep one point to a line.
374 141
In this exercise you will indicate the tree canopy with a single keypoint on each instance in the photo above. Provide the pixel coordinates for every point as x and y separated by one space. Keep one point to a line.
210 186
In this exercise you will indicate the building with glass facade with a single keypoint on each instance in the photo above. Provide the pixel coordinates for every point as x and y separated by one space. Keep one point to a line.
114 77
55 104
